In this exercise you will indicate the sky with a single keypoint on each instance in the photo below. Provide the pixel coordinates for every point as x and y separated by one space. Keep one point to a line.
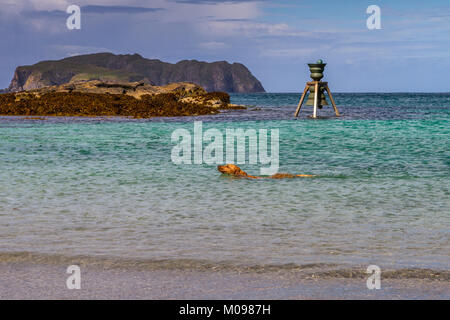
274 39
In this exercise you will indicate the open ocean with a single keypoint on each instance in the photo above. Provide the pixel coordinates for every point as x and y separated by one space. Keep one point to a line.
107 188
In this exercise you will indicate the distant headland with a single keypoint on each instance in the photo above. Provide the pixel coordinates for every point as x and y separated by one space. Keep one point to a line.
214 76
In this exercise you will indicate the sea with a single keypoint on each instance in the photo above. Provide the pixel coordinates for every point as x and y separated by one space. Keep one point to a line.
109 188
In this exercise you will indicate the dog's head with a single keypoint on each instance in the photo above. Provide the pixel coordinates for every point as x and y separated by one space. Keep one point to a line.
231 169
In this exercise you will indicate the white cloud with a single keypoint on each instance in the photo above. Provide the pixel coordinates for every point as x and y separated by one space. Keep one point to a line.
289 53
249 29
173 13
74 50
32 5
187 12
212 45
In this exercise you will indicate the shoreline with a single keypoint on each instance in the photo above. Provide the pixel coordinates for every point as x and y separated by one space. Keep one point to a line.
307 270
43 276
46 281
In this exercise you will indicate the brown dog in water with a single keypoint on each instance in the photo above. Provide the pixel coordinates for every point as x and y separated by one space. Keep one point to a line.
238 172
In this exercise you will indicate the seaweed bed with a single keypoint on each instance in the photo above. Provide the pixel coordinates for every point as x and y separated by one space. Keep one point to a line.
100 104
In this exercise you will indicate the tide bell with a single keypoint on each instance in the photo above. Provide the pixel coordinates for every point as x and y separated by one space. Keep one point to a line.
316 99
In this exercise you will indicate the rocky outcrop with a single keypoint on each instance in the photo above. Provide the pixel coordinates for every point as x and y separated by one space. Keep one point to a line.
215 76
130 99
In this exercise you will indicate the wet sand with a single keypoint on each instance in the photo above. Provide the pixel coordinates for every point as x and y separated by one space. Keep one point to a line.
48 281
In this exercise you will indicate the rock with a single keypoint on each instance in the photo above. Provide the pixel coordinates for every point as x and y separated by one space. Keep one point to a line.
99 98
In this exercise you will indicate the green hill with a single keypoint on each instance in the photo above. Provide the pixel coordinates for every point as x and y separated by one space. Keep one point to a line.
215 76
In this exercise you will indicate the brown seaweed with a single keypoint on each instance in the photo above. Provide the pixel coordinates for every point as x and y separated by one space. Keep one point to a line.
104 104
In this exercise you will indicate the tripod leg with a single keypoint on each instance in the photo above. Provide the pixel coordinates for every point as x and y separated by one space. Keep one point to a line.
316 99
301 101
332 101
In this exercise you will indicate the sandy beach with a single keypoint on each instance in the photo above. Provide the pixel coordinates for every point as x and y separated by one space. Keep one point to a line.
110 279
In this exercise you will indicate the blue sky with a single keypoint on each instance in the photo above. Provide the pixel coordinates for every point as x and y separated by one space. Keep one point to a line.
274 39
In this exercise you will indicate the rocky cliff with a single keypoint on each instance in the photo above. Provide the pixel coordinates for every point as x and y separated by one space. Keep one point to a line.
215 76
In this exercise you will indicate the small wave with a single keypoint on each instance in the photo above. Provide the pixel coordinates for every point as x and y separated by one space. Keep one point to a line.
302 271
406 273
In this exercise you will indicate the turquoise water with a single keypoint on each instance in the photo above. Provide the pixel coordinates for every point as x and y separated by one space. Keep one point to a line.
107 187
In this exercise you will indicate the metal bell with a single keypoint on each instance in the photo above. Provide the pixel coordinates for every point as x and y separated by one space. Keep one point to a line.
322 97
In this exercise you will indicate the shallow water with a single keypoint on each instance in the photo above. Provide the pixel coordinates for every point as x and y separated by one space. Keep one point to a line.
107 187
